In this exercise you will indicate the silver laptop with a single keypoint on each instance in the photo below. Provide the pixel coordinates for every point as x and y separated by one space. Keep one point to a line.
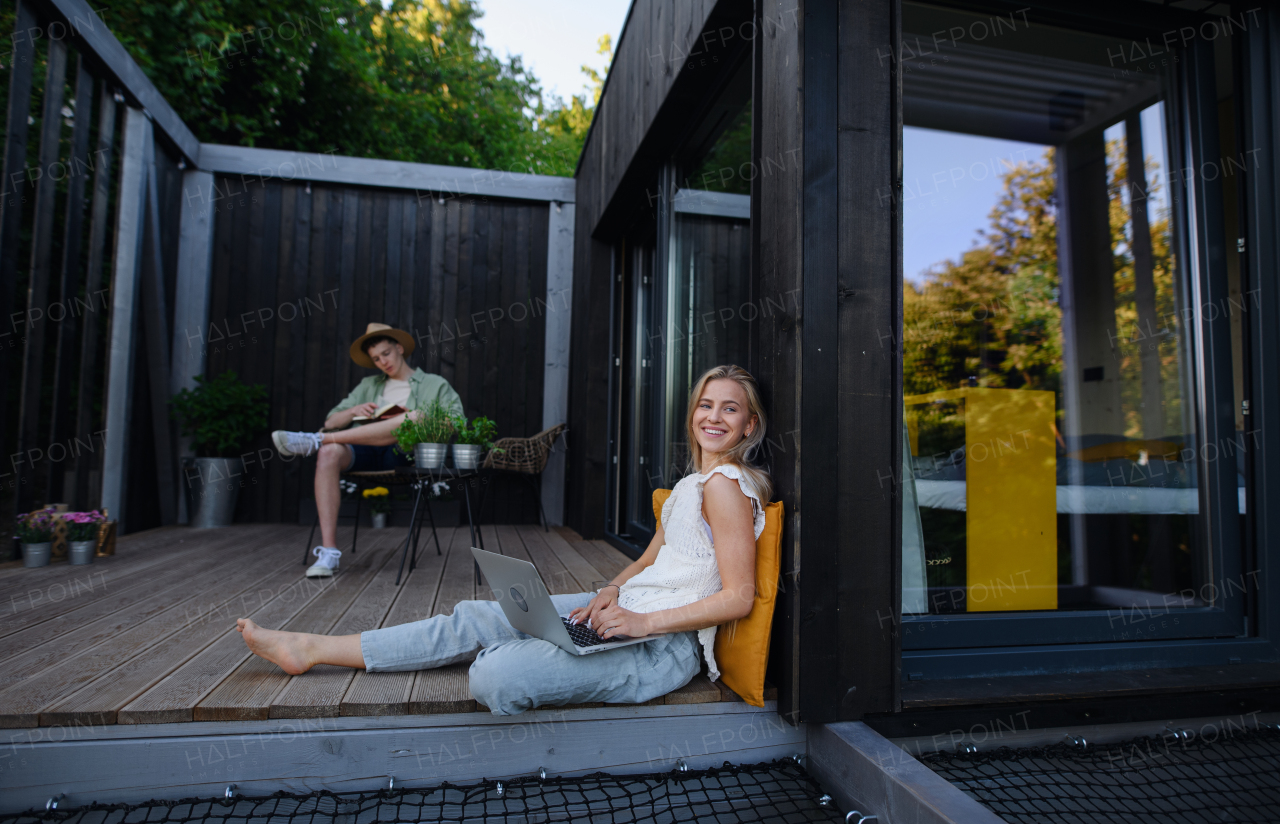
518 587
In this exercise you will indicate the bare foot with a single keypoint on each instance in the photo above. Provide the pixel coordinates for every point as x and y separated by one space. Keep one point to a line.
287 650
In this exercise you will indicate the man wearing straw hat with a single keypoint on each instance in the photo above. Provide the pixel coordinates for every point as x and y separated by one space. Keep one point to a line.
348 445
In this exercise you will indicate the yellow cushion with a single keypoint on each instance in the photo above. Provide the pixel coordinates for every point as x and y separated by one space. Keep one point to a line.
742 646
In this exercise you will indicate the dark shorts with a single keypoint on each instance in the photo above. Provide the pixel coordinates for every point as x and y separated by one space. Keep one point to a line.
366 458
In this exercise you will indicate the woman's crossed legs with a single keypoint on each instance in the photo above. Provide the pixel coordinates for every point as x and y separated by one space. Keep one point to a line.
512 672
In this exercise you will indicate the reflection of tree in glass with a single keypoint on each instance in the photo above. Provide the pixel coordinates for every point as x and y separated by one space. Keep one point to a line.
992 318
727 167
1130 336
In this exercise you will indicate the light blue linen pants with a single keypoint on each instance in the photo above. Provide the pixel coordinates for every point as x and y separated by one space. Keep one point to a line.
514 672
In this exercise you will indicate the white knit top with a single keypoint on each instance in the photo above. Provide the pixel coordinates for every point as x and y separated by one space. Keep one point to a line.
685 570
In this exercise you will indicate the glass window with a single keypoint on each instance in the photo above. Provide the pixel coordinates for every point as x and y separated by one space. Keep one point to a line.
1056 332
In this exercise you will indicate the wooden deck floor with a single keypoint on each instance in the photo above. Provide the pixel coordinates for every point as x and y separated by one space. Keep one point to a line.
148 636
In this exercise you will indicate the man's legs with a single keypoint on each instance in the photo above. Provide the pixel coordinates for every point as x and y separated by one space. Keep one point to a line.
332 459
378 433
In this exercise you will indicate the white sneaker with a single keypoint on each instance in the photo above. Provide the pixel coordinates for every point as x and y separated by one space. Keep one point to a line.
301 444
328 562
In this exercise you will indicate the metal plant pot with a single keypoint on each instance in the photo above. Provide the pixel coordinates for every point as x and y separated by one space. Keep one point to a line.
466 456
430 455
214 491
81 552
379 520
36 555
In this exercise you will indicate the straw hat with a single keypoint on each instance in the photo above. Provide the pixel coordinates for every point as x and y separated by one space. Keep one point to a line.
378 330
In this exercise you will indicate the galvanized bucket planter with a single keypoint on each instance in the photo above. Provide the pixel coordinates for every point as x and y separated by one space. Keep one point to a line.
214 492
36 555
430 455
466 456
81 552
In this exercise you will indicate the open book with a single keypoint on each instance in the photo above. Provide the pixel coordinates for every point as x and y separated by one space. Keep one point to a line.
382 413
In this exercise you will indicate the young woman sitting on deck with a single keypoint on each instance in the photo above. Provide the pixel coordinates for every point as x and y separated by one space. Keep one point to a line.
697 573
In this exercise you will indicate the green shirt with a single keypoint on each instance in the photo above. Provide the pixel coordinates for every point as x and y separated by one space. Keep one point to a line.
423 389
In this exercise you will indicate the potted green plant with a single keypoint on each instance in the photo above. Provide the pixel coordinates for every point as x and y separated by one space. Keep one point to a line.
472 440
35 531
380 504
83 529
221 415
425 435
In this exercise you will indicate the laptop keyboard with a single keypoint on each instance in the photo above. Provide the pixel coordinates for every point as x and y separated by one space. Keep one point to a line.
583 635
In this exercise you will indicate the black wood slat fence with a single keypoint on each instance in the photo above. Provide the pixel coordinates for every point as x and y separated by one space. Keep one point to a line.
299 270
134 258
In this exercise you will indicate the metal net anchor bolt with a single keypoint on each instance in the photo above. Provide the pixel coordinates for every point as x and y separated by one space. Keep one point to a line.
230 791
1077 741
681 766
849 817
824 801
967 748
391 782
1178 733
501 790
52 803
542 773
799 759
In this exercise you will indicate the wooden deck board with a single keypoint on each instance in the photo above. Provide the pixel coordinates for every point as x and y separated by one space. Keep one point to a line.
54 671
318 693
117 591
387 693
559 581
100 700
174 698
133 552
491 540
248 692
164 648
445 689
598 553
586 573
700 690
132 616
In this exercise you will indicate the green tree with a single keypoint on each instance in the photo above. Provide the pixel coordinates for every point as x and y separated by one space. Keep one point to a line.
409 81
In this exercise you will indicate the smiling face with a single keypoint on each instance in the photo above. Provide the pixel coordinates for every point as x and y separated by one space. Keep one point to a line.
387 355
721 419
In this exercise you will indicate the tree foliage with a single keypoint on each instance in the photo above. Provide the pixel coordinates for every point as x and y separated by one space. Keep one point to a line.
410 81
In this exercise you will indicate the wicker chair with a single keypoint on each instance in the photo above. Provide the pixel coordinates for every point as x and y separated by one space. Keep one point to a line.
363 481
526 457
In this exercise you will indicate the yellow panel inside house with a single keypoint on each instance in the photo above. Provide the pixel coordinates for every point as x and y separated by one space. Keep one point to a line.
1011 498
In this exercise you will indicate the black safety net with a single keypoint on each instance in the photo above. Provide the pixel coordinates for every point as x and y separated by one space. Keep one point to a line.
1217 773
779 791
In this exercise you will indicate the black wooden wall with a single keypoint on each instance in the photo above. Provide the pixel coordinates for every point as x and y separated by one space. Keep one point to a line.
299 270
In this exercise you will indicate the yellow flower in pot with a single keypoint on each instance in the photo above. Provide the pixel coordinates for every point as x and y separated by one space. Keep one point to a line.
380 504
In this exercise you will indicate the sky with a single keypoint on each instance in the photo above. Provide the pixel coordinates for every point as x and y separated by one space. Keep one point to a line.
553 37
950 182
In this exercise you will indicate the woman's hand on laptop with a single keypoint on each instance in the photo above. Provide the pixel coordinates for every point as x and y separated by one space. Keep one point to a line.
615 622
589 614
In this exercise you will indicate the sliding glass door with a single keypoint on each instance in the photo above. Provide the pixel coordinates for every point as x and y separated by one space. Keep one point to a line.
682 304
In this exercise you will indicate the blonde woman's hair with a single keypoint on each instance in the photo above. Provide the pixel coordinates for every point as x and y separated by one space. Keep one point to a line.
743 454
